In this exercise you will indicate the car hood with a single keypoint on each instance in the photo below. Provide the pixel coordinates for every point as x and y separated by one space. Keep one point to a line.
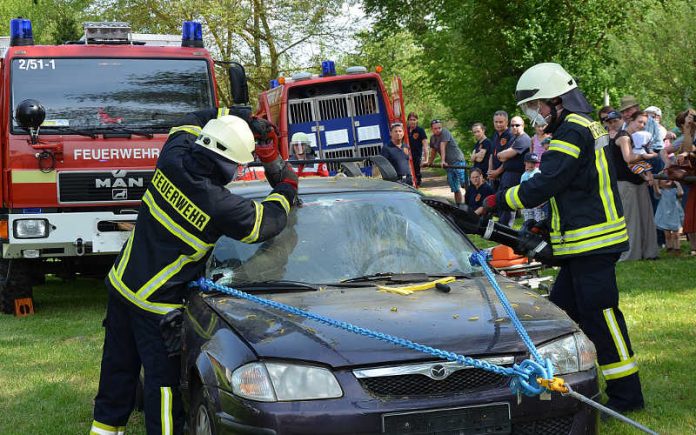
469 321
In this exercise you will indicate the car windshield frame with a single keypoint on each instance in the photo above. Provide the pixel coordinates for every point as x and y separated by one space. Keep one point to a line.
392 226
138 97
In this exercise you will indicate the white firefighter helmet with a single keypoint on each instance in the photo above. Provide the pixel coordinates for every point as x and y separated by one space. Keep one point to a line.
299 137
543 81
230 137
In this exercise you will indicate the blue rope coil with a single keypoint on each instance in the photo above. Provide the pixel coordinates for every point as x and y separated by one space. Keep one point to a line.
524 374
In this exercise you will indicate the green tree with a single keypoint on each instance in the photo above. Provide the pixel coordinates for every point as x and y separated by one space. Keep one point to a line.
399 54
475 51
657 61
53 21
266 36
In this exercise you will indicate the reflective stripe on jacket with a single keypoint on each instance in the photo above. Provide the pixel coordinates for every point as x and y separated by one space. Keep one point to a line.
579 182
183 212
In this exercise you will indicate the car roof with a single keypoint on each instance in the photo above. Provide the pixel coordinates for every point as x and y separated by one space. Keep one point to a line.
314 185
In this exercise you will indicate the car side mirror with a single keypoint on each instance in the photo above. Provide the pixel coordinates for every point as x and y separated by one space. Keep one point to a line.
238 83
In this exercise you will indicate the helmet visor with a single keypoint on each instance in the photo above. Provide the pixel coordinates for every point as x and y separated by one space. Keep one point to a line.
524 95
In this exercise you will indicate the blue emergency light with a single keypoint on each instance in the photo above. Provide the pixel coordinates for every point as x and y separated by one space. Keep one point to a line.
328 68
274 83
192 34
20 32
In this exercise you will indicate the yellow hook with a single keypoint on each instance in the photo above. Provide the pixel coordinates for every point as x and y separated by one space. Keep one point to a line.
554 384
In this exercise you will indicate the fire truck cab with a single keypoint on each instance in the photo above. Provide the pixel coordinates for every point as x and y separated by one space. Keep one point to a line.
345 115
82 127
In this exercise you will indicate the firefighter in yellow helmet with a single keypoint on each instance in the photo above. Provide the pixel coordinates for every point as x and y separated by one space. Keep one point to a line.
587 228
184 210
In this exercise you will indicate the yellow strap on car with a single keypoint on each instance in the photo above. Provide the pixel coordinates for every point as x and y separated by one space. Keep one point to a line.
408 289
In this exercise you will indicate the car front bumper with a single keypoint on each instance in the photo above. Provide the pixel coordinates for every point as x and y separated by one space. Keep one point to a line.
359 413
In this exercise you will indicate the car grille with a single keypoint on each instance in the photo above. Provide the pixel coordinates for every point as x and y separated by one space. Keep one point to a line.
462 381
547 426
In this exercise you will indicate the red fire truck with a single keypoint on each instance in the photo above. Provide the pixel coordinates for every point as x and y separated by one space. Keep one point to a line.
71 182
345 115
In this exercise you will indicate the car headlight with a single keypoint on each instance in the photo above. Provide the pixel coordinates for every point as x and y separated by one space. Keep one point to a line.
274 382
570 354
30 228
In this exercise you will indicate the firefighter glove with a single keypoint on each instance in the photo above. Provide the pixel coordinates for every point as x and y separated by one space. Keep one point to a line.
266 136
490 202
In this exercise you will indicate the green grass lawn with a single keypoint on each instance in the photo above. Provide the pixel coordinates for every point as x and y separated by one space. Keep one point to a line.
49 362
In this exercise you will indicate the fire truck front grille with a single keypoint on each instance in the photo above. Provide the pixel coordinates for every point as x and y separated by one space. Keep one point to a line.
365 103
300 111
102 186
336 154
333 108
369 151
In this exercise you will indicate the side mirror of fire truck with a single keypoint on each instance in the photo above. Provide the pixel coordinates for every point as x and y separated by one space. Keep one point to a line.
30 114
238 84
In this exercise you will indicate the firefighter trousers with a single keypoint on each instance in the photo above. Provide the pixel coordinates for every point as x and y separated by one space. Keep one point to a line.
586 290
132 339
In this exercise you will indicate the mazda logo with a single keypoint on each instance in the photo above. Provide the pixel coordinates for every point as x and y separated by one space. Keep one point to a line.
438 372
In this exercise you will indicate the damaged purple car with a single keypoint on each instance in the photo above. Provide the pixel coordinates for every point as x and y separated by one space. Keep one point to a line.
248 369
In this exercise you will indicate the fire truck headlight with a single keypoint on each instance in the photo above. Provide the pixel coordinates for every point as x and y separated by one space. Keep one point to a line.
31 228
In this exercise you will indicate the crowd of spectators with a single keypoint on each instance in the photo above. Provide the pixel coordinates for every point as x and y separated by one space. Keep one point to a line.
641 150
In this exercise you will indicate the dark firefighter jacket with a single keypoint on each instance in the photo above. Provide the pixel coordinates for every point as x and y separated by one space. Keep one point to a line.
184 210
579 182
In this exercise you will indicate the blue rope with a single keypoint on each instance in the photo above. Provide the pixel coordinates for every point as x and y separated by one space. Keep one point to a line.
524 374
480 258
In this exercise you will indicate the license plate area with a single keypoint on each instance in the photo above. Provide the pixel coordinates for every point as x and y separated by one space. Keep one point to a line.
471 420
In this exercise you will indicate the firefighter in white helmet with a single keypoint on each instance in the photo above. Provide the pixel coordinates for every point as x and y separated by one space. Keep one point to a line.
184 210
300 147
587 227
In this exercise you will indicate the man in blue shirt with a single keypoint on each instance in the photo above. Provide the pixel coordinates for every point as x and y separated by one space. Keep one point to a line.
482 148
500 140
397 152
512 158
418 141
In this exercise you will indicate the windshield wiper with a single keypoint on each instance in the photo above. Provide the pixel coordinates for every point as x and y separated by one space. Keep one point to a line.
403 277
125 130
69 130
279 284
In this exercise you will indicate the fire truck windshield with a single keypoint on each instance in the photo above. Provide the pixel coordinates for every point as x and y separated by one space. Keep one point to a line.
93 94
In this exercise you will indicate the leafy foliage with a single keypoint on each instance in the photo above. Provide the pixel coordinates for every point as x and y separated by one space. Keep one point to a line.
658 59
54 21
399 55
266 36
476 50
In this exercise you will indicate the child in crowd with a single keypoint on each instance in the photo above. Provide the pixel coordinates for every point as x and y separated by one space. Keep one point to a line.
670 214
531 160
640 141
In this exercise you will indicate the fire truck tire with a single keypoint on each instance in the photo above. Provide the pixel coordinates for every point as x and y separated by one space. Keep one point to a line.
351 169
15 286
385 168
